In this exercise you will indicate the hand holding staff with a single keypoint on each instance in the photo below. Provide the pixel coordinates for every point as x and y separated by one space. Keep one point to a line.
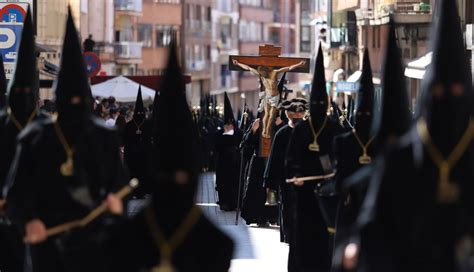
36 231
300 181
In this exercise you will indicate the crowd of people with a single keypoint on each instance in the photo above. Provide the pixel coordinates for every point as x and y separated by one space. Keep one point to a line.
368 188
65 179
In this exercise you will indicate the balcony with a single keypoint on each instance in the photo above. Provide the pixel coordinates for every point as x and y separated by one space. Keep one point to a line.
128 52
129 6
198 65
403 12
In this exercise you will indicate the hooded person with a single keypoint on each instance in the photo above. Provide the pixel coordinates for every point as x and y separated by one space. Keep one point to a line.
354 150
310 155
275 176
424 224
393 122
254 208
137 146
228 159
20 110
169 234
81 169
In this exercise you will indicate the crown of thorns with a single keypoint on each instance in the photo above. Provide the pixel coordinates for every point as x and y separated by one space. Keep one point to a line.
294 105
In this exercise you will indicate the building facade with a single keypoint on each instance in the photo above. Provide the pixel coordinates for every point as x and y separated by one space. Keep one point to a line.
197 47
159 19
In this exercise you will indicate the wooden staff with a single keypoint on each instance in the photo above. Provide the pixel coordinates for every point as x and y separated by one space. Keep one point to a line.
311 178
93 214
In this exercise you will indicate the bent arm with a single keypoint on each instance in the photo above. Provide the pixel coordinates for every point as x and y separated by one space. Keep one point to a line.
246 67
290 68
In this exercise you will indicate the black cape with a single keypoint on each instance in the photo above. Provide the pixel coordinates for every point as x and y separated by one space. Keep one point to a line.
11 246
227 168
137 149
38 190
136 251
419 234
254 209
275 178
310 248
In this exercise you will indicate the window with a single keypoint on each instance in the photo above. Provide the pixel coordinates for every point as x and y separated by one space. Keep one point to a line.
163 35
144 34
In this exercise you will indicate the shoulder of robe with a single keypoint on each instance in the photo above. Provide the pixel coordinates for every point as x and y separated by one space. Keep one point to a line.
282 130
100 124
362 176
34 129
343 137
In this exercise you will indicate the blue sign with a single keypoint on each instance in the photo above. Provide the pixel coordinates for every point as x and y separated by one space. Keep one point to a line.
93 63
12 16
10 35
344 86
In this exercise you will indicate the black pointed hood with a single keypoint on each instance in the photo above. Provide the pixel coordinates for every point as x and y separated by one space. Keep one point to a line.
447 99
73 95
319 103
365 99
228 112
139 112
395 117
22 89
281 84
175 142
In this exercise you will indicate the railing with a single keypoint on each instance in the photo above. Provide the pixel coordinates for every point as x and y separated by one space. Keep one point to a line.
197 65
128 50
414 7
129 5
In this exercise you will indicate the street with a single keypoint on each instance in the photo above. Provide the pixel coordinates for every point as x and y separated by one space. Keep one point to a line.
256 249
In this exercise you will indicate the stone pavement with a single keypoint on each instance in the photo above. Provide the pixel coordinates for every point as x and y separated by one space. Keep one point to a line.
256 249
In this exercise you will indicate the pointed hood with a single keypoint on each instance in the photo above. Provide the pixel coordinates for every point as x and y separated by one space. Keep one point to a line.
365 100
73 95
139 112
22 90
281 84
319 103
395 117
228 112
447 97
174 158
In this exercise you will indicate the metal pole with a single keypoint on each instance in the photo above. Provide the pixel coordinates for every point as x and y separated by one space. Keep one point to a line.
242 174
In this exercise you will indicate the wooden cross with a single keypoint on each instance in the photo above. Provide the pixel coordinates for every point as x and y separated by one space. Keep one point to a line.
268 65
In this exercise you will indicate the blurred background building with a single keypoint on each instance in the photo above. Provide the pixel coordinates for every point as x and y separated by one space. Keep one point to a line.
131 38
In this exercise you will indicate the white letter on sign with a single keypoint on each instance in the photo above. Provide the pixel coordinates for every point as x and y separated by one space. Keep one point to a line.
11 39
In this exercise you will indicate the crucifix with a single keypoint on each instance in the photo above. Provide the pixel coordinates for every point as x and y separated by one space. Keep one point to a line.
268 66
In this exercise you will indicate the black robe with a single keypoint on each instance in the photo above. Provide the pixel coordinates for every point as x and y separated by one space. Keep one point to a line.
311 245
352 186
11 245
253 208
137 153
275 178
227 168
38 190
131 248
419 233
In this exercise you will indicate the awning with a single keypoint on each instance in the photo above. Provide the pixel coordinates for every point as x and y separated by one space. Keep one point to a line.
43 48
337 73
355 77
417 68
123 89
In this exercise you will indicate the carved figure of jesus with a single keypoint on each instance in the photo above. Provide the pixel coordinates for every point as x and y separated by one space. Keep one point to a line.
272 96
